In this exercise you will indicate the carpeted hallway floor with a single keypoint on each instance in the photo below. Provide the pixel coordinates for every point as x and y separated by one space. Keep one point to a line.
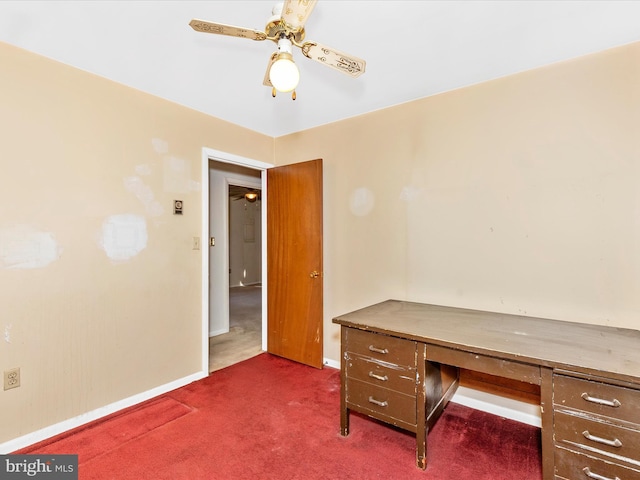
244 339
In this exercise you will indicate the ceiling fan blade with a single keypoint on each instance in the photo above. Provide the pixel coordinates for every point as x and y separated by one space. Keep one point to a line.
222 29
296 12
348 64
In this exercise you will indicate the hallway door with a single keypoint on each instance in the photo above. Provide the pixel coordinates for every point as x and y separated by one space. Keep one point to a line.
294 262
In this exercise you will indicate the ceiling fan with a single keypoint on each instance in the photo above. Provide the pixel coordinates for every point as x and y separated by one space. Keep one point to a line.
237 192
286 28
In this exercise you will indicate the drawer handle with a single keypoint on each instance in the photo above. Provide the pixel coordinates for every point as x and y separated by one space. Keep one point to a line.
384 351
378 402
590 474
611 443
382 378
615 403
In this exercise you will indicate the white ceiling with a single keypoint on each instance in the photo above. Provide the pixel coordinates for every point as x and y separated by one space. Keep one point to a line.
413 49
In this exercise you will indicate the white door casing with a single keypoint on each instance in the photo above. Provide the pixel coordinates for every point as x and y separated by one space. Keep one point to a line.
221 272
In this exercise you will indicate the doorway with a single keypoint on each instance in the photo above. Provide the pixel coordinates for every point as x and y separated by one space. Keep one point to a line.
243 338
295 307
225 173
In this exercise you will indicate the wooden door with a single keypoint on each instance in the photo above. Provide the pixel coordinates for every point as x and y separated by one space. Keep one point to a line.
294 262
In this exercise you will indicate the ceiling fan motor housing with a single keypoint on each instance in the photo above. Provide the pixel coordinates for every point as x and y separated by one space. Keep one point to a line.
277 28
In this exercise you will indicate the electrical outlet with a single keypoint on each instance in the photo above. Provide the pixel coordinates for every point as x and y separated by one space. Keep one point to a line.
11 378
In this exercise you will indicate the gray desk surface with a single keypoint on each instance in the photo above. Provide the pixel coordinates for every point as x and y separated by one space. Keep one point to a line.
585 348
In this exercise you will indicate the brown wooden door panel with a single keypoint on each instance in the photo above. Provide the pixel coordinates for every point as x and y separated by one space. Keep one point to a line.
294 253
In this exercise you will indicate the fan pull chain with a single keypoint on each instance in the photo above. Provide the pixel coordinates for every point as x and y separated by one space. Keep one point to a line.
293 93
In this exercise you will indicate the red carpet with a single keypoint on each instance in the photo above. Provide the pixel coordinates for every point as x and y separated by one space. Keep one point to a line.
109 433
269 418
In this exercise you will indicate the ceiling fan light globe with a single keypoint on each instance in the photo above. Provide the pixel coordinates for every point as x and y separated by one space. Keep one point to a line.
284 74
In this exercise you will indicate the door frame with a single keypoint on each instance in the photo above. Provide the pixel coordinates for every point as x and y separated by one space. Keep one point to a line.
225 157
221 276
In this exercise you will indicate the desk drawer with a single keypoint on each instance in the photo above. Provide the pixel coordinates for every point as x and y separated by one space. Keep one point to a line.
382 374
597 398
601 437
577 466
393 350
501 367
385 403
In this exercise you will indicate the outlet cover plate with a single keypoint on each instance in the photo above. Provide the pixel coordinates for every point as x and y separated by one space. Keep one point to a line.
11 378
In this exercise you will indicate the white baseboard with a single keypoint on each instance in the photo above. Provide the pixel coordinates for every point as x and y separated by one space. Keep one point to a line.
53 430
218 332
331 363
505 407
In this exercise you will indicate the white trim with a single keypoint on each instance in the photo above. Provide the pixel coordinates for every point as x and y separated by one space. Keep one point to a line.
517 410
513 409
242 183
218 332
331 363
220 156
204 246
263 222
66 425
225 157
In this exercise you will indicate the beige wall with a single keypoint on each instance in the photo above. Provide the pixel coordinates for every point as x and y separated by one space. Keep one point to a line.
529 194
100 287
518 195
365 213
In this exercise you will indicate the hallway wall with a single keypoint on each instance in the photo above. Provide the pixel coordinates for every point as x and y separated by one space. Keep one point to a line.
245 243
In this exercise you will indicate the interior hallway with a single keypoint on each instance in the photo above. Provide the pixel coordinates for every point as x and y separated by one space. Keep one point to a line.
244 339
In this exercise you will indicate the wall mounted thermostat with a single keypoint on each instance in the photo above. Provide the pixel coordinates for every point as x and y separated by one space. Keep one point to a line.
177 207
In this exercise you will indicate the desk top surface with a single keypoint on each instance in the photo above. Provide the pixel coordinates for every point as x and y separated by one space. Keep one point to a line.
591 349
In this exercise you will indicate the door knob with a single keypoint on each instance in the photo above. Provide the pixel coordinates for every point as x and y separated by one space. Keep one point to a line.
314 274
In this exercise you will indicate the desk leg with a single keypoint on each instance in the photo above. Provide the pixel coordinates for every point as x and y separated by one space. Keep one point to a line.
421 406
344 419
344 411
546 408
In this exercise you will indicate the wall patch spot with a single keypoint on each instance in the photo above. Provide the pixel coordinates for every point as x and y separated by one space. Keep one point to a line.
24 246
410 193
159 145
143 192
143 169
124 236
177 175
361 202
7 333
